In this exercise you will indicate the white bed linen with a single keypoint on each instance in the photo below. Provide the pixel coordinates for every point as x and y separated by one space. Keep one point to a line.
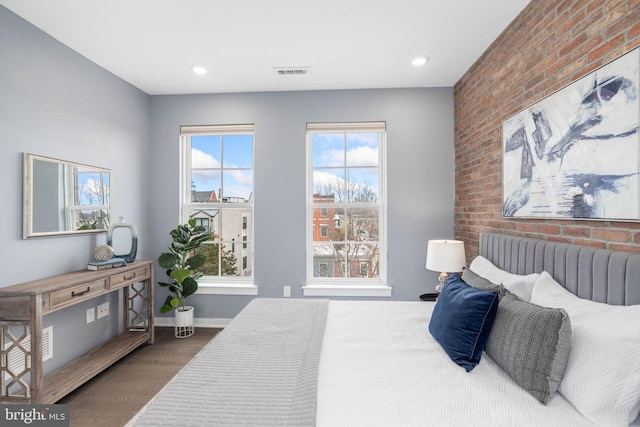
380 366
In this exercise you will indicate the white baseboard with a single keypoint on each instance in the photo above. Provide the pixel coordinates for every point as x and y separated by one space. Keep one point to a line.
198 322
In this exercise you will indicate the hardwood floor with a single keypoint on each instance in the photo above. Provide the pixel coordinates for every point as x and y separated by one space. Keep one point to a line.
117 394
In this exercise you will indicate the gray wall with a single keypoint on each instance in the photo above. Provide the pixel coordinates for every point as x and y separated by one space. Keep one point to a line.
56 103
420 178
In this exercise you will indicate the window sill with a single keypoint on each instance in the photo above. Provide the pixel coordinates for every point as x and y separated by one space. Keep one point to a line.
316 290
227 289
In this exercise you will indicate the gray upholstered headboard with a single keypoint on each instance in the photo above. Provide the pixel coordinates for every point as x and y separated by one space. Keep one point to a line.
597 274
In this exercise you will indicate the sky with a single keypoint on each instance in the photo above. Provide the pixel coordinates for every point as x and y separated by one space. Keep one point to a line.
339 158
223 163
226 162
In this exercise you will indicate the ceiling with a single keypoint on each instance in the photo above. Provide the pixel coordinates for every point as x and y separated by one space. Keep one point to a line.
348 44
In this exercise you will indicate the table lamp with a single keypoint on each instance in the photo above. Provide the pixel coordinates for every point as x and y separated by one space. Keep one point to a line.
445 256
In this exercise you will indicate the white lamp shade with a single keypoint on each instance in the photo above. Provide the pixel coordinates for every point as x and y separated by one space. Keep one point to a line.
446 256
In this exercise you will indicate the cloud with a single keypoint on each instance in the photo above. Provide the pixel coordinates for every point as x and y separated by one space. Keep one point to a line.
205 179
362 149
330 157
326 180
209 175
90 192
372 138
243 177
362 156
328 183
200 159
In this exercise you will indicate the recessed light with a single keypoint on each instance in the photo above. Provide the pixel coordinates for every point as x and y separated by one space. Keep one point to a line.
420 61
199 70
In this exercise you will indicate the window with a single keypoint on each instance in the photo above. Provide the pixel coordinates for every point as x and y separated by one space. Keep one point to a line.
217 190
346 204
203 222
364 269
323 269
87 191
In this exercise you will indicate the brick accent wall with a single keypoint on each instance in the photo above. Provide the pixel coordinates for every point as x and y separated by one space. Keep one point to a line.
549 45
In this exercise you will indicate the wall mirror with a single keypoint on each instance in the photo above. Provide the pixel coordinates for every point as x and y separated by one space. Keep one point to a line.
62 197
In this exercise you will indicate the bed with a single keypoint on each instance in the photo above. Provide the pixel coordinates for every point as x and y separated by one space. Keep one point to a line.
290 362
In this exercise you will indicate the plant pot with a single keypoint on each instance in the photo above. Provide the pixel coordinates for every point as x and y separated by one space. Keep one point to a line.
184 322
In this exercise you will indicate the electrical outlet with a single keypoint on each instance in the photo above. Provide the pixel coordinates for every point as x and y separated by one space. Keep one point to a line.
91 314
103 310
286 290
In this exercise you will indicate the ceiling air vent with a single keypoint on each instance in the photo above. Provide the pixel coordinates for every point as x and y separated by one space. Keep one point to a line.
292 71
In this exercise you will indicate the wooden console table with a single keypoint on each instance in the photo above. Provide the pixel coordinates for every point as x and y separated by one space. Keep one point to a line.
23 306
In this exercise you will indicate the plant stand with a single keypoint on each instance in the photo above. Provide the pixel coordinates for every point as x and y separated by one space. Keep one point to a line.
184 322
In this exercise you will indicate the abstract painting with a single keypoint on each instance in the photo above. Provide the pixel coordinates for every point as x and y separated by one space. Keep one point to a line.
575 154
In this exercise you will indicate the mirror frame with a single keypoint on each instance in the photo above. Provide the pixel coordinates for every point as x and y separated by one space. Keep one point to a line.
28 195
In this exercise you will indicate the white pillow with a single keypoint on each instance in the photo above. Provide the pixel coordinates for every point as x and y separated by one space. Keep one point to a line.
602 378
515 283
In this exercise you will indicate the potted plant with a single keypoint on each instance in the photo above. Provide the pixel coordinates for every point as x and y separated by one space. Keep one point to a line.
182 263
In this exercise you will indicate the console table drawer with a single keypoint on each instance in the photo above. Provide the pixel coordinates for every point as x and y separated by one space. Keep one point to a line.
123 279
75 294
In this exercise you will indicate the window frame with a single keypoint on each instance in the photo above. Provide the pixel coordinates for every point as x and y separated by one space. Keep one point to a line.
220 285
347 286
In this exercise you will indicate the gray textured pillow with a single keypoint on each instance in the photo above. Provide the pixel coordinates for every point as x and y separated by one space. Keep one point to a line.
473 279
531 344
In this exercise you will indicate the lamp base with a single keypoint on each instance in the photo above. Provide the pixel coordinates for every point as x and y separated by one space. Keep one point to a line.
441 279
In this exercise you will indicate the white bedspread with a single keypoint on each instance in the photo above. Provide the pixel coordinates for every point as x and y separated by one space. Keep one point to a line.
380 366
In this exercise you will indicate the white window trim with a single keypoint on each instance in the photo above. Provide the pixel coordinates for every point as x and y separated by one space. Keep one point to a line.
344 290
369 287
210 288
218 285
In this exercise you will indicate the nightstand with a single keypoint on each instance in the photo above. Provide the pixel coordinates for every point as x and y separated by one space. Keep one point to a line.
429 297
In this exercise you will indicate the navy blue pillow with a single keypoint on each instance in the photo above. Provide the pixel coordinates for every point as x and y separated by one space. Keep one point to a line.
462 320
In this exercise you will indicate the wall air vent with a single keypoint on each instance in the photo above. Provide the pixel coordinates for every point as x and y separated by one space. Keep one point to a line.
17 358
292 71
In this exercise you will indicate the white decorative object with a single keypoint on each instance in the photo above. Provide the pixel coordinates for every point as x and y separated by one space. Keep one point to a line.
184 322
133 248
103 253
445 256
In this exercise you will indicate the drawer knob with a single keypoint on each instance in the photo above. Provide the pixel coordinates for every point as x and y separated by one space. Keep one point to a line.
77 294
130 277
